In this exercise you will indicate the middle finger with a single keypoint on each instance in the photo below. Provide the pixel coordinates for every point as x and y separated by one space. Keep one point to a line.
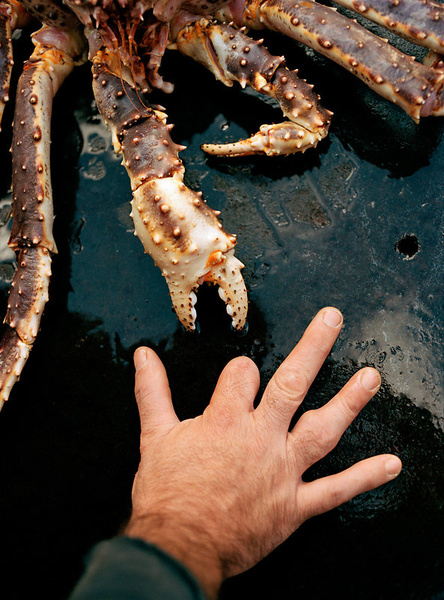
289 385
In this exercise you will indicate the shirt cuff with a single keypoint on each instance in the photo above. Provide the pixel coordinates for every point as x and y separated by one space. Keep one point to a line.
131 569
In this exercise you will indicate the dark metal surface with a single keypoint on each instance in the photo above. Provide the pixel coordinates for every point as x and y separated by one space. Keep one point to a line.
356 223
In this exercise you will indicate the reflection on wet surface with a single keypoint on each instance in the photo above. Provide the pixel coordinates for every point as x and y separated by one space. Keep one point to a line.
355 224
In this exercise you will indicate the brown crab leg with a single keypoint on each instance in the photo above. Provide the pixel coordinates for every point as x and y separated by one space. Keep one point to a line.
175 225
52 14
12 16
6 60
419 21
31 235
232 56
395 76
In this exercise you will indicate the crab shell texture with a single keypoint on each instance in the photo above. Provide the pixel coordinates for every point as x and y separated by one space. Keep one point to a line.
177 228
126 41
193 247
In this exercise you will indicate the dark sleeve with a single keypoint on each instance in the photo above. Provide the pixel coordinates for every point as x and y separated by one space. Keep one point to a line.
130 569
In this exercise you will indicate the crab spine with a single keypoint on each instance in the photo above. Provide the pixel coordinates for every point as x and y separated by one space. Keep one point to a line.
31 235
395 76
177 228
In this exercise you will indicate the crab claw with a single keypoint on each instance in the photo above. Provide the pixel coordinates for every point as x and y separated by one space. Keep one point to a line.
176 227
227 275
223 50
272 140
187 242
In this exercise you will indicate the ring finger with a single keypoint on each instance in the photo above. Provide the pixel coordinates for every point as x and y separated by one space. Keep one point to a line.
318 431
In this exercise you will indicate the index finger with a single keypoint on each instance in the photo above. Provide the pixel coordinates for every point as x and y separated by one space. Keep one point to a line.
289 385
152 393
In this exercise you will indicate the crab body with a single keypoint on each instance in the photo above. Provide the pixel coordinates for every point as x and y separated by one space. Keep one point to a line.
125 40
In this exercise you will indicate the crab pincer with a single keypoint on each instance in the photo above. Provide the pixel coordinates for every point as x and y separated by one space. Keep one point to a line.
175 225
232 56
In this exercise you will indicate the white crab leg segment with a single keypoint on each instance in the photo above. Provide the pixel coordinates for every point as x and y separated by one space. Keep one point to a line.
420 21
233 56
177 228
395 76
187 243
272 140
31 235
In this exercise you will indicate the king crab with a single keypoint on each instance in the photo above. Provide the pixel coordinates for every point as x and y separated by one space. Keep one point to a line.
126 40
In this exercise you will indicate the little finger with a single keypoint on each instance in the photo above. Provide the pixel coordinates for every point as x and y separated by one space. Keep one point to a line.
319 496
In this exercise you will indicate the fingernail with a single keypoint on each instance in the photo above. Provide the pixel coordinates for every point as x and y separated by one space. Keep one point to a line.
370 379
140 358
332 317
393 467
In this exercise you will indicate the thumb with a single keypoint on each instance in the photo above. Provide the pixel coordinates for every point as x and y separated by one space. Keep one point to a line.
152 392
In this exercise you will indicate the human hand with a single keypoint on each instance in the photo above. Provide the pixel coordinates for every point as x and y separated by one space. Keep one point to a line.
221 491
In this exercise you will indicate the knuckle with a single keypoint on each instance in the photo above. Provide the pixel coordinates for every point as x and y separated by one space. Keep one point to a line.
291 383
308 425
315 441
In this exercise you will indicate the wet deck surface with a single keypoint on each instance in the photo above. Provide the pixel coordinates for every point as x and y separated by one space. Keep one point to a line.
356 223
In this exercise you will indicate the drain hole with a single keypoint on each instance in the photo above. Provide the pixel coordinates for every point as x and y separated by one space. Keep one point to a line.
408 246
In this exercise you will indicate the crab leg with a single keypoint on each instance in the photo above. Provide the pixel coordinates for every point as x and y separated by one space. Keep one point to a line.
395 76
12 16
176 227
6 60
52 14
31 235
232 56
419 21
